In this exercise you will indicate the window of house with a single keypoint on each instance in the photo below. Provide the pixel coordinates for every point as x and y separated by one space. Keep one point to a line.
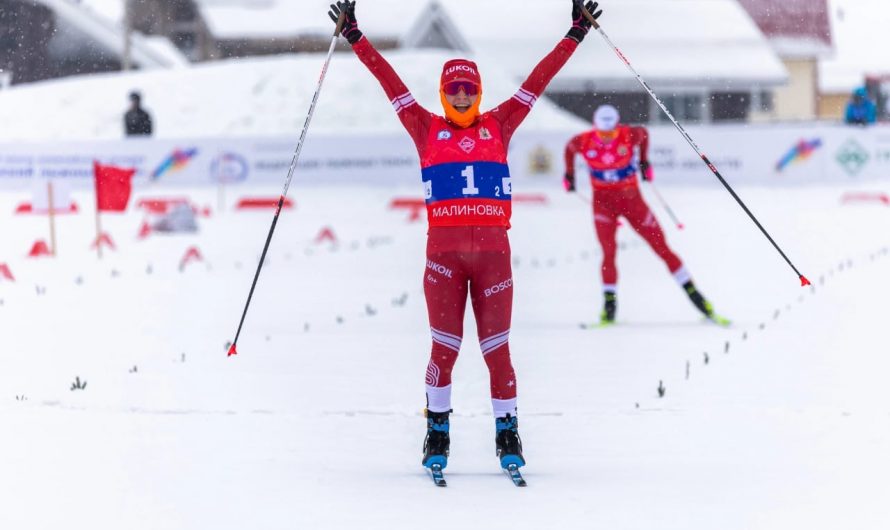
684 107
730 106
633 106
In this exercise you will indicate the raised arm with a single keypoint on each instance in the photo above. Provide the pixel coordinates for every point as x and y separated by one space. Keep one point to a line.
414 117
512 112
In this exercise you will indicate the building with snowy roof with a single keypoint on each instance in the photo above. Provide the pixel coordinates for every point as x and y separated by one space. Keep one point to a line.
259 27
800 33
707 59
714 70
44 39
860 59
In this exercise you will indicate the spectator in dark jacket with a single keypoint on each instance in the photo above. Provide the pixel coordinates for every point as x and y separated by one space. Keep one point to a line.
860 109
137 122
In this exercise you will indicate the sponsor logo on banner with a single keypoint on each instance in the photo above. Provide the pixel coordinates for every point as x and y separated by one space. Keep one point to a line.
176 161
540 161
467 144
801 152
12 166
852 157
444 134
228 168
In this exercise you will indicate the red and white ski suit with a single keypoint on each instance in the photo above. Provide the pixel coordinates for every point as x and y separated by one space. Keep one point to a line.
616 193
468 197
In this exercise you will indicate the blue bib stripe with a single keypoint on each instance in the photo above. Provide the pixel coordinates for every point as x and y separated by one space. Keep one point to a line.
613 175
490 180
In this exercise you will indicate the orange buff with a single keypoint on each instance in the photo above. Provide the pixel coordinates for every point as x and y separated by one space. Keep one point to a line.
460 69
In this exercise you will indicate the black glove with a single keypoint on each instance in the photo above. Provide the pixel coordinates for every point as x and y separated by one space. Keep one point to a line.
350 26
646 170
569 182
580 24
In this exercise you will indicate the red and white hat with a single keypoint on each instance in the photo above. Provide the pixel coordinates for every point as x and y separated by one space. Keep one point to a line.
460 69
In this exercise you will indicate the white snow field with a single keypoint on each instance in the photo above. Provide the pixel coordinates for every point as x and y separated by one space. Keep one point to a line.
317 422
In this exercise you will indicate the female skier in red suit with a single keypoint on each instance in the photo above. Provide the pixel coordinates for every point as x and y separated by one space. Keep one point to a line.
463 158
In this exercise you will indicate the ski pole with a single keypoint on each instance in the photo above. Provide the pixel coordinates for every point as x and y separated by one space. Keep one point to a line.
582 197
711 166
667 208
290 174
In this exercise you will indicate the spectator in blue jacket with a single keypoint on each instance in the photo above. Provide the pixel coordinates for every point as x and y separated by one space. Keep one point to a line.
860 109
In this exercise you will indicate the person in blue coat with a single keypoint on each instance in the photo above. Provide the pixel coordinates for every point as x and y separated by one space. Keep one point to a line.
860 109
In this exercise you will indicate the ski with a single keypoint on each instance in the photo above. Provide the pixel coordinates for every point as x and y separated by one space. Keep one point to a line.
512 471
596 325
437 476
719 320
713 319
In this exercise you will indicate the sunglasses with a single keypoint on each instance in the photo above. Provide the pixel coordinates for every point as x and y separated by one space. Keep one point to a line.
453 88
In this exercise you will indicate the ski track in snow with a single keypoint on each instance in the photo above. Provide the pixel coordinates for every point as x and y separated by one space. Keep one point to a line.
317 422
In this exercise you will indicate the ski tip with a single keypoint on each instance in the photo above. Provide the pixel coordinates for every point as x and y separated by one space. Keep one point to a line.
515 475
436 462
512 462
232 351
721 321
804 281
436 473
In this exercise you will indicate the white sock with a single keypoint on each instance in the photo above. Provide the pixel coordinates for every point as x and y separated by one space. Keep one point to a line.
502 407
682 276
438 398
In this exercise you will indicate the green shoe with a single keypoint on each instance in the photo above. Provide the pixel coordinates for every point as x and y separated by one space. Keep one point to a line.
610 306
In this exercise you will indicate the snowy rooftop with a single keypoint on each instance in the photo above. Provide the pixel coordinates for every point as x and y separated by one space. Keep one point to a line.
861 43
252 97
235 19
102 24
240 19
712 43
795 27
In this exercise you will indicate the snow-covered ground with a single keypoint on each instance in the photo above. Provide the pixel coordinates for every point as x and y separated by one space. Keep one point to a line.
781 421
265 96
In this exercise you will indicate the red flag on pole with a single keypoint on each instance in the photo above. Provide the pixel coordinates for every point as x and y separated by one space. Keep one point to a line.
113 186
5 273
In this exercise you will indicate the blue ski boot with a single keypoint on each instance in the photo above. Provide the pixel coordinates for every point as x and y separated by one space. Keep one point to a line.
437 442
507 443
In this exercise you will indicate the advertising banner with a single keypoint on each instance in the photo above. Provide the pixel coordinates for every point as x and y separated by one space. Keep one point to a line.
745 154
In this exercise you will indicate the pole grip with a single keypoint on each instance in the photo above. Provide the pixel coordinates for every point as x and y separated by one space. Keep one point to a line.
340 21
587 15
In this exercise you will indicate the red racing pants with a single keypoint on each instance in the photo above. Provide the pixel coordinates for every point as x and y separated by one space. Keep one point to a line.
469 261
611 203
